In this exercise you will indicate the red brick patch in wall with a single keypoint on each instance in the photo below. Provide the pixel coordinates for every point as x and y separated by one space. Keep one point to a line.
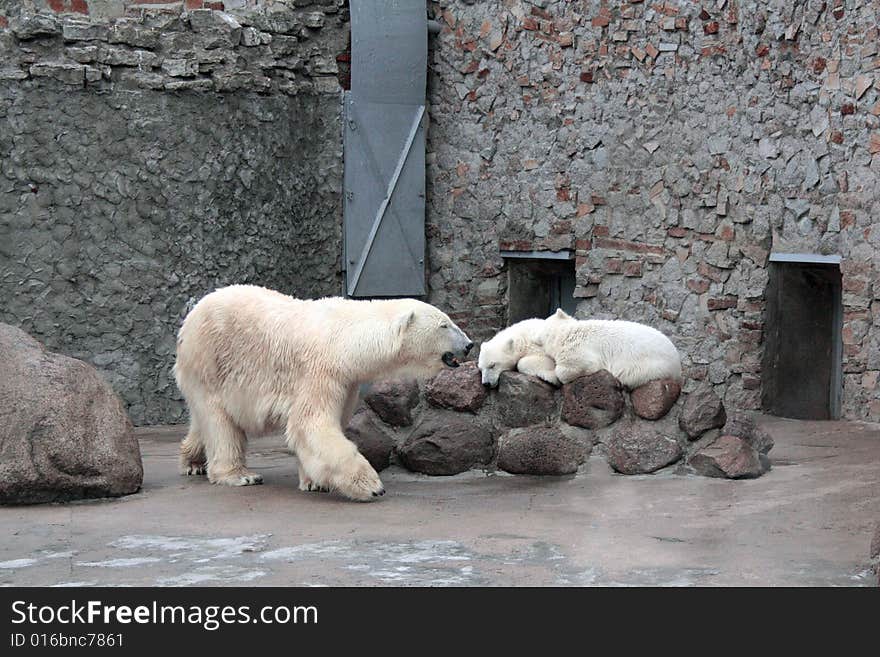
633 268
698 285
4 22
722 303
625 245
613 265
69 6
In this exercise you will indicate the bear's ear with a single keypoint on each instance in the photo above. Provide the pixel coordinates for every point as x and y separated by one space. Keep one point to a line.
404 321
561 314
508 345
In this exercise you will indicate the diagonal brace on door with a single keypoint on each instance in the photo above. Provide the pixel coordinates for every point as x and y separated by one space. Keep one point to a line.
392 184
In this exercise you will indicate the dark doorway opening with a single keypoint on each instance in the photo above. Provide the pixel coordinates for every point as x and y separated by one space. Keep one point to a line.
536 287
801 368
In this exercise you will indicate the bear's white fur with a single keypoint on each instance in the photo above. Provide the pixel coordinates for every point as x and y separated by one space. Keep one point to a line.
561 348
520 347
252 361
634 353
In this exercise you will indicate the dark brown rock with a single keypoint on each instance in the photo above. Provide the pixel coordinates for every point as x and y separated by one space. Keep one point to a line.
522 400
446 443
654 399
635 446
593 401
702 410
458 389
742 425
365 431
540 450
393 401
64 433
729 457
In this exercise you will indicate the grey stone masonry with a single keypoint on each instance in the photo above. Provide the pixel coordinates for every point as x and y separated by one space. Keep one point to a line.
671 146
149 157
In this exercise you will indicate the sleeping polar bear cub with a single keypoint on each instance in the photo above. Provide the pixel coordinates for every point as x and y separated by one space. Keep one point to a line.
634 353
251 360
560 349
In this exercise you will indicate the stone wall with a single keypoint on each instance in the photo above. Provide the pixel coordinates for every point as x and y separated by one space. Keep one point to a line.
150 151
150 155
672 146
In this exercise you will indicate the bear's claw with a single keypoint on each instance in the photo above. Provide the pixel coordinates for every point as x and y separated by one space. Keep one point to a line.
240 479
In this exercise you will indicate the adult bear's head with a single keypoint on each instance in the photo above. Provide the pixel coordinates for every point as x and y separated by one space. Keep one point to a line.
429 340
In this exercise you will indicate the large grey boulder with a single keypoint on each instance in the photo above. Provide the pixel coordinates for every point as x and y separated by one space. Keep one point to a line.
522 400
729 457
393 401
458 389
637 446
64 434
446 443
540 450
702 410
742 425
593 401
653 400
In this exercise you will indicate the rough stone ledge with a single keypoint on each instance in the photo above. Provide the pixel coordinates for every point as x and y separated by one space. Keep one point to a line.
526 426
288 50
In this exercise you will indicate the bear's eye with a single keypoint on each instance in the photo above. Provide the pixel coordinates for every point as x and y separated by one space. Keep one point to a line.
444 325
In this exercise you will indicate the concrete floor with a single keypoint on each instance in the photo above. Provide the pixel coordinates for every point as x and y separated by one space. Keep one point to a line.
808 522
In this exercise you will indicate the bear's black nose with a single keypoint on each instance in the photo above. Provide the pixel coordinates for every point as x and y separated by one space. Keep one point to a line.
468 347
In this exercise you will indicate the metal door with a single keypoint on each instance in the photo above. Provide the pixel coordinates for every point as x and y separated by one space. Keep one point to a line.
384 142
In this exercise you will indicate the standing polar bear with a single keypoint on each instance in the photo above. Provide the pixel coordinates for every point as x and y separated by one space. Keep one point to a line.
252 361
561 348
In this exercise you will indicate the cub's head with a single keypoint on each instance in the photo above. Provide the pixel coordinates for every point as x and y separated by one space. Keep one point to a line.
503 352
496 356
429 339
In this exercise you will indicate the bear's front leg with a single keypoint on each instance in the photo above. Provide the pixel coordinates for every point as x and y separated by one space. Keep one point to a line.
307 485
330 460
539 365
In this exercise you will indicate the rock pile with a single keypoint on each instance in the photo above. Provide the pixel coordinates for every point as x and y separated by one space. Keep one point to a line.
453 423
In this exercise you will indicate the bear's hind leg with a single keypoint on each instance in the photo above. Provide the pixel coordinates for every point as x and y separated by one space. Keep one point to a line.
224 448
192 448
